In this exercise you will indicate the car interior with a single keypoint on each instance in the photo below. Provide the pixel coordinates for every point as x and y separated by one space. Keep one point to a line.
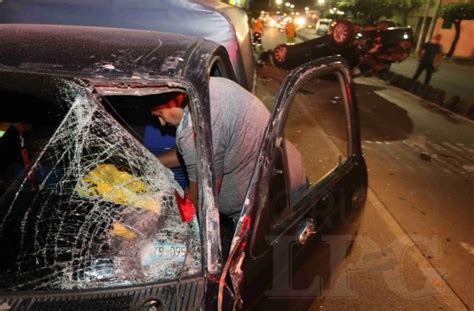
133 112
24 130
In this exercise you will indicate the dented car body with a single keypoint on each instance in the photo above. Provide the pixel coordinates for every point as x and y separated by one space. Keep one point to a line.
209 19
372 50
89 216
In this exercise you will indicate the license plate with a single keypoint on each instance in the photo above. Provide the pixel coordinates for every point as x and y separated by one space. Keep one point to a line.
160 250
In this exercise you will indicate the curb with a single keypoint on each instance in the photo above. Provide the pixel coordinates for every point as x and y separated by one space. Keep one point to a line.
431 94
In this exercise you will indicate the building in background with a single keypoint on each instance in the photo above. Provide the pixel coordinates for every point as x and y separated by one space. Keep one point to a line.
425 23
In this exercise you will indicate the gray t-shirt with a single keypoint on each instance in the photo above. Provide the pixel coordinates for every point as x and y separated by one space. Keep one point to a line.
238 121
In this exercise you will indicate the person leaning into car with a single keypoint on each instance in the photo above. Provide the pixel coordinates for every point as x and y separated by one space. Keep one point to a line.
238 121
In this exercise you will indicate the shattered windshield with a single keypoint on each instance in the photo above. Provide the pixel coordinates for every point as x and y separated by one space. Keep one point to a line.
82 203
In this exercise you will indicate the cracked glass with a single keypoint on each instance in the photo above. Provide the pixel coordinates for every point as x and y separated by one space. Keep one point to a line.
82 203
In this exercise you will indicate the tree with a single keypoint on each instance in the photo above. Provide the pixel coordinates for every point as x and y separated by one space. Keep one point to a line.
369 11
455 13
404 7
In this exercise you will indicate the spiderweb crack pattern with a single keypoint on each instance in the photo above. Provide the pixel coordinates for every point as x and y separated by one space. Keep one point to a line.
102 213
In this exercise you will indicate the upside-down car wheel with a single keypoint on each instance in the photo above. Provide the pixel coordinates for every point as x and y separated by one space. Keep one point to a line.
342 33
279 54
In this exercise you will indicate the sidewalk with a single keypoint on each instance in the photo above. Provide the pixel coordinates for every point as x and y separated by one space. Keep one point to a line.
453 76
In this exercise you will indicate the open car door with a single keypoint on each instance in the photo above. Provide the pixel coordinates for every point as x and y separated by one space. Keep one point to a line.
309 185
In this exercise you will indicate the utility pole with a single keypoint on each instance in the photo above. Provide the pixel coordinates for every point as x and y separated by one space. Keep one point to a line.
420 35
433 21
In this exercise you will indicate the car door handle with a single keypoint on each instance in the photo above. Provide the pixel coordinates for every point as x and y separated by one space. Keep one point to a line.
305 231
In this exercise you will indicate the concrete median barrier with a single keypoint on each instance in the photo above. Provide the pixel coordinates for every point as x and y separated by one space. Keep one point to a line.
427 92
423 90
452 102
413 86
386 75
464 108
395 79
436 96
406 84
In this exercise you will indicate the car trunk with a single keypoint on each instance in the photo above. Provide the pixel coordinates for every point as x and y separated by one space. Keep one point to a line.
88 216
208 19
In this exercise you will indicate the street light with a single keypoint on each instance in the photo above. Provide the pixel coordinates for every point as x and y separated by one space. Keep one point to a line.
321 2
278 2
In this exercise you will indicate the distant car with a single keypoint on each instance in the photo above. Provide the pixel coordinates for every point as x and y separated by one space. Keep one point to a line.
300 21
281 23
90 219
322 26
372 49
312 17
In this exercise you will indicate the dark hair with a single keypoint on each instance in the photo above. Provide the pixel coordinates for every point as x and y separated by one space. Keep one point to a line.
164 98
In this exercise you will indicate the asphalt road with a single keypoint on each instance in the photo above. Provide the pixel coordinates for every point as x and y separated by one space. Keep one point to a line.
415 248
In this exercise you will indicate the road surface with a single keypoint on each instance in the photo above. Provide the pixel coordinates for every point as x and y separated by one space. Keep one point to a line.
415 248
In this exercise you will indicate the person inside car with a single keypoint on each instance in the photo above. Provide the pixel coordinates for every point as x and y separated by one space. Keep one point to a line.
14 152
238 121
20 146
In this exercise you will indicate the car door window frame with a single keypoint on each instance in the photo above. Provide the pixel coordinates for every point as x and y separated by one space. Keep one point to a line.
242 244
327 66
208 220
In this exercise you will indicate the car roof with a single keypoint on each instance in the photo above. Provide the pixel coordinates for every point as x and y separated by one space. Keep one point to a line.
95 51
209 19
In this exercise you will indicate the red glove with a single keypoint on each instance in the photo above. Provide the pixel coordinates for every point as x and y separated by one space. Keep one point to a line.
185 206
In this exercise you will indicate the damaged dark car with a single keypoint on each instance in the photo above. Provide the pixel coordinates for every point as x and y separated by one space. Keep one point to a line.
90 219
372 48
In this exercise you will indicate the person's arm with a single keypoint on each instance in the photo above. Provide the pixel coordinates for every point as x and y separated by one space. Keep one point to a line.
169 158
437 61
193 190
218 184
438 58
420 54
439 55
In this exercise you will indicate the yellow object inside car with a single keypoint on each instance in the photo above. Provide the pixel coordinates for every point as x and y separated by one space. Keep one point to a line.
106 181
120 230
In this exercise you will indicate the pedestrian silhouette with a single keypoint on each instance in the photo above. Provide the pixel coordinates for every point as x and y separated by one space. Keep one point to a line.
429 58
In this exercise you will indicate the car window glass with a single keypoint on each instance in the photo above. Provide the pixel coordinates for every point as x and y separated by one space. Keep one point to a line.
317 127
313 121
83 204
218 70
